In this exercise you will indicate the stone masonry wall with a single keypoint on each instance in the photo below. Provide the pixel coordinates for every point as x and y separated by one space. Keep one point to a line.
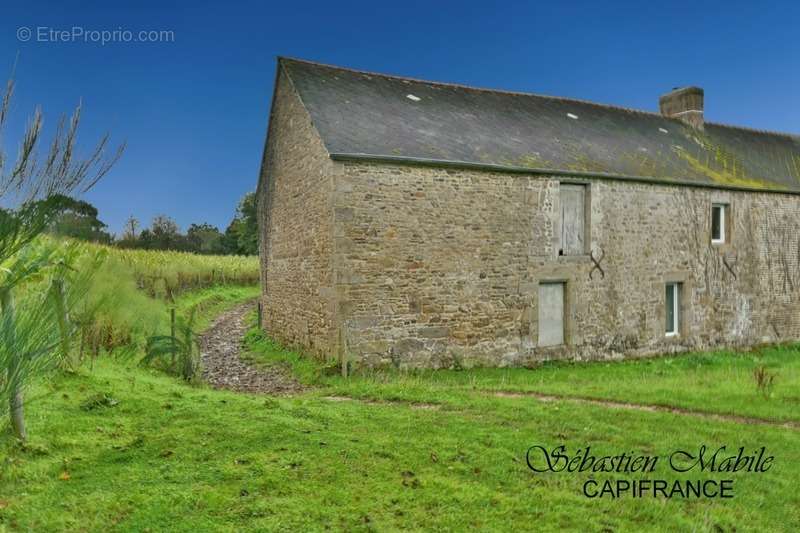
439 267
296 217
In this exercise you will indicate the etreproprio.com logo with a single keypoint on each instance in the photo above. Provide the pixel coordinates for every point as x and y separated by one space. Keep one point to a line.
79 34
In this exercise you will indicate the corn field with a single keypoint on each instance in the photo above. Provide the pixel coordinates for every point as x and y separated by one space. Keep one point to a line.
132 290
166 274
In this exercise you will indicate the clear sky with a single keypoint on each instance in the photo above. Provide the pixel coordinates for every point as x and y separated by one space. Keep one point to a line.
193 109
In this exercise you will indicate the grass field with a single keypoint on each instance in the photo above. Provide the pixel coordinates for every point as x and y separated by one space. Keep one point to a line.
719 382
388 451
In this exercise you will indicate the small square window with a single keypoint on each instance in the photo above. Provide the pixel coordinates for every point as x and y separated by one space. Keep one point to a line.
673 305
718 223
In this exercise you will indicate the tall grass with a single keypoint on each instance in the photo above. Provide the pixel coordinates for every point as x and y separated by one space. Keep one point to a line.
64 303
132 290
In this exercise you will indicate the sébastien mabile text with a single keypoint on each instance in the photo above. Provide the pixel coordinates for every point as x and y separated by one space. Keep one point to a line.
715 465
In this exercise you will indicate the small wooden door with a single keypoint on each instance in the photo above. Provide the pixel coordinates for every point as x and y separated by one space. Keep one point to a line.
551 314
573 223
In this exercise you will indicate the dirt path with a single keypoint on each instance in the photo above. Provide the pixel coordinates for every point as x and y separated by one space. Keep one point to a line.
611 404
220 347
616 404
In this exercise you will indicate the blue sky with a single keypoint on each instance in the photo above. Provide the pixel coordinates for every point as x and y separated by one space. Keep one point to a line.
194 110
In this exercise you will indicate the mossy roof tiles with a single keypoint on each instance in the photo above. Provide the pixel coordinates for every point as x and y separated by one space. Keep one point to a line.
375 115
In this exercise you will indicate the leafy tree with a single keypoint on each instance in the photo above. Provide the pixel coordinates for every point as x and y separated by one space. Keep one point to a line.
230 239
204 239
241 235
248 229
163 234
78 219
164 226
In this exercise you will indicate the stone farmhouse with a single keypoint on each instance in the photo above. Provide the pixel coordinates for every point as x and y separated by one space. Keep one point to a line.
422 224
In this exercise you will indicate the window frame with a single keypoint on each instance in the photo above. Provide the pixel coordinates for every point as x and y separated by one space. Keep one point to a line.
723 211
676 308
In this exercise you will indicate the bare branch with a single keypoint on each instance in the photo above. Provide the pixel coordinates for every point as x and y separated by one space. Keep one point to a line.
60 171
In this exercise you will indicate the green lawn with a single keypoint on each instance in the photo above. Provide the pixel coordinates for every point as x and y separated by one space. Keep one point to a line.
717 382
416 451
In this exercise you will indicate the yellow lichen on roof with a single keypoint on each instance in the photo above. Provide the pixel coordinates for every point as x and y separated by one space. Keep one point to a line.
725 176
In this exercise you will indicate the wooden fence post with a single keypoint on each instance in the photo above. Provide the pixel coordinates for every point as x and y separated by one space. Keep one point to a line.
343 352
172 332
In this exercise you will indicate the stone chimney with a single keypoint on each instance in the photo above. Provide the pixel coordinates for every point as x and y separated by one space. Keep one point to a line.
684 103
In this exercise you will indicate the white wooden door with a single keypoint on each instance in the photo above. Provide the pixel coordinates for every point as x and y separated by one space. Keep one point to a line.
551 314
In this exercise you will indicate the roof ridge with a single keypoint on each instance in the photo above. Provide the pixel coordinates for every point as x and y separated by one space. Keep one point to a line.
793 136
473 88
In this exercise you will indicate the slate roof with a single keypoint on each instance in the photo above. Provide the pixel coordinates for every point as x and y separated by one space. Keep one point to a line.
375 116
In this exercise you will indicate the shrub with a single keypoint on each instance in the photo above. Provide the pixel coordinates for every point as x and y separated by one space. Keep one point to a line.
178 353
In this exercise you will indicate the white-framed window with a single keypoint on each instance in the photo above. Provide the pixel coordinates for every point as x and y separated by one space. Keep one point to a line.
673 309
718 223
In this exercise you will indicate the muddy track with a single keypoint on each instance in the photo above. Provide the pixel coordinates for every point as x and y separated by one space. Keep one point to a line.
616 404
223 368
610 404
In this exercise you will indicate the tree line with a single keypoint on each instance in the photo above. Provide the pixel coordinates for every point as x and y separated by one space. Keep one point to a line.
78 219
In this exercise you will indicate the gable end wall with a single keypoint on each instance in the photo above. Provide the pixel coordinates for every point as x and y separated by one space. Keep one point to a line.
296 220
